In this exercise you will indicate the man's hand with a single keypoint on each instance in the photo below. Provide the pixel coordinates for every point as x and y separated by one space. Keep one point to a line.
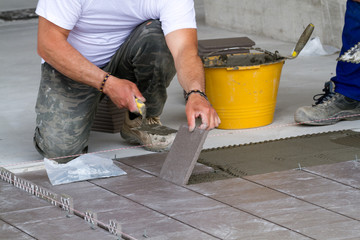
197 106
54 48
190 71
122 93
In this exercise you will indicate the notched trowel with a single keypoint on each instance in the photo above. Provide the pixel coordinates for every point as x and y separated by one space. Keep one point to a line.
352 55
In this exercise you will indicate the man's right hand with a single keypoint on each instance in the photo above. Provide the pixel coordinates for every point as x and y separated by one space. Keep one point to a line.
122 93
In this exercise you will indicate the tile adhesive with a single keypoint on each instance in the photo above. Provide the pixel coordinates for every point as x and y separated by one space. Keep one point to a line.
279 155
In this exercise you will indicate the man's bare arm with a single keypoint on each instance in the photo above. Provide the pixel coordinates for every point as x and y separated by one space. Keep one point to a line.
55 50
183 46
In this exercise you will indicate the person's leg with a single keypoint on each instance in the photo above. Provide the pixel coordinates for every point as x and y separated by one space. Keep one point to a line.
145 59
341 98
347 80
65 110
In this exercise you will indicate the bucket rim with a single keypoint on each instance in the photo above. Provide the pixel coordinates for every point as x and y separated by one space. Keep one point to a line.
219 61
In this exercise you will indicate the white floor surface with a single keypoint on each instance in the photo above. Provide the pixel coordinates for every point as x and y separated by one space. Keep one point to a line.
20 75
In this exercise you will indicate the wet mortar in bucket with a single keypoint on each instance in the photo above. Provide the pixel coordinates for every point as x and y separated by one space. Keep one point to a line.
243 88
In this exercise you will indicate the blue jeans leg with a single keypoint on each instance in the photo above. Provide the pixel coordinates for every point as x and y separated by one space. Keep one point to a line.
347 78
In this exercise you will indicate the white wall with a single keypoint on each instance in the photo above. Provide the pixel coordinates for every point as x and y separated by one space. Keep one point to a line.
279 19
7 5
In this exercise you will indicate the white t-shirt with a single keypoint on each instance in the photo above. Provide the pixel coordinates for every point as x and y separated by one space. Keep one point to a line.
99 27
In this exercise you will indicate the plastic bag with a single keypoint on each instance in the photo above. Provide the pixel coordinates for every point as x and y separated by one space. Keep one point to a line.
85 167
315 48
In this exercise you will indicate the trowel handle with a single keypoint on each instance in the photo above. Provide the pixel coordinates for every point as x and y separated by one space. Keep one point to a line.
304 38
141 107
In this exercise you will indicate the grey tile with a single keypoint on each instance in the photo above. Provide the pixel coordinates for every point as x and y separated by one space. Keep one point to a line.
228 223
64 228
293 181
33 215
165 228
276 206
339 230
303 219
9 232
96 199
164 196
181 235
132 214
251 197
136 220
152 163
183 155
314 189
225 188
172 200
14 199
132 179
345 172
144 160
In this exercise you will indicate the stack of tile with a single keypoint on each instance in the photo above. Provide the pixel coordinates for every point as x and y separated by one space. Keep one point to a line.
108 117
212 47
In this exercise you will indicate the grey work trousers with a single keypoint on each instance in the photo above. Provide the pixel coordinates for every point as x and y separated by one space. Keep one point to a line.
65 108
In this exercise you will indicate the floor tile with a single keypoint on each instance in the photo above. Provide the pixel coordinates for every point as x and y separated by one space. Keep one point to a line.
225 188
181 235
164 228
33 215
186 148
65 228
341 230
144 160
9 232
314 189
15 199
228 223
156 194
345 172
152 163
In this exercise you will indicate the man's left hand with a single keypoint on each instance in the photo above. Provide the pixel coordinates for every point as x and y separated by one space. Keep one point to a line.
198 107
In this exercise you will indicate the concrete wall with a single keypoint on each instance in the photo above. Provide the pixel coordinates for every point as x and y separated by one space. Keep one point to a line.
7 5
279 19
199 9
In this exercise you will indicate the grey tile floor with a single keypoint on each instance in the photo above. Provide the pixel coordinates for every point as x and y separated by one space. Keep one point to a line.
312 203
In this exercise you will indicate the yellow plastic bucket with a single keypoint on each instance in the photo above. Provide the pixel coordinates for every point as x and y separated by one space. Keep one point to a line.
243 96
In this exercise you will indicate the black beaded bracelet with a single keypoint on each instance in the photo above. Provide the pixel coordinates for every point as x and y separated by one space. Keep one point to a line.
103 82
195 91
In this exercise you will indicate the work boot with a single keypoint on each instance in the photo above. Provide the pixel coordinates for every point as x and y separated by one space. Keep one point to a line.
329 108
151 134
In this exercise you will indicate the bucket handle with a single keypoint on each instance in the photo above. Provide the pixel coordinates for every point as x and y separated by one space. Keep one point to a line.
240 68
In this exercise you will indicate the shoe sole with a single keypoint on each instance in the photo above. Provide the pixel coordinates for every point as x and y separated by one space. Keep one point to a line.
156 133
341 116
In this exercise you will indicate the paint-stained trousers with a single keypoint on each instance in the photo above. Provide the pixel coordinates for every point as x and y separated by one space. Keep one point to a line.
347 79
66 109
